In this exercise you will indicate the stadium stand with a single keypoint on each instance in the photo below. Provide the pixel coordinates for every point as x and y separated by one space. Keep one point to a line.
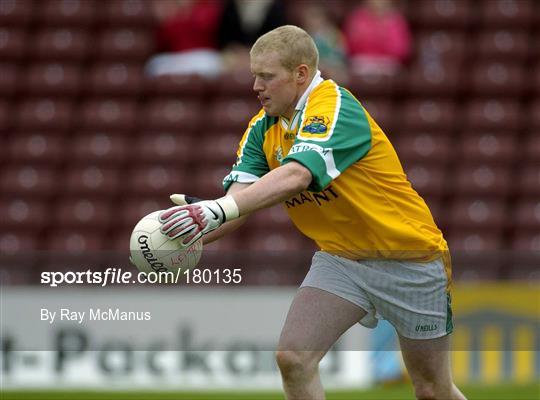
87 135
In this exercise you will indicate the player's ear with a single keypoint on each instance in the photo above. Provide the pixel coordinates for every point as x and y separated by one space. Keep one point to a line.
302 73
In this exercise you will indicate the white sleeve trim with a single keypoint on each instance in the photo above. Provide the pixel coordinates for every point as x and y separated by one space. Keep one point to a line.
241 152
241 177
325 153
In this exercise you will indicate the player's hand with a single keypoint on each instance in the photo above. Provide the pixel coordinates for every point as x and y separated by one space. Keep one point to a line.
190 222
183 199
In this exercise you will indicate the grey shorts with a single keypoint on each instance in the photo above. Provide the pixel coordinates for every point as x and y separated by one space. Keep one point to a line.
412 296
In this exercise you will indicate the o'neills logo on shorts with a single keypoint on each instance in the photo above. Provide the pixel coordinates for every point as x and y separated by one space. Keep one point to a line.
426 328
150 258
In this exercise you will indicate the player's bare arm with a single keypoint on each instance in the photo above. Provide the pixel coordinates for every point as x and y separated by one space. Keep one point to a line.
275 187
230 226
190 222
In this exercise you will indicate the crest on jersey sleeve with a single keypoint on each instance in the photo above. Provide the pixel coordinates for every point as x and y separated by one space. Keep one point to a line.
316 124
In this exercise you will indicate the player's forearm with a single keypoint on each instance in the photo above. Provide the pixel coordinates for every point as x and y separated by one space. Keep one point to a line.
223 230
230 226
215 218
275 187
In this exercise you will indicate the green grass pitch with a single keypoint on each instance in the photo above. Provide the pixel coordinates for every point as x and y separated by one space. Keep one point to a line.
401 392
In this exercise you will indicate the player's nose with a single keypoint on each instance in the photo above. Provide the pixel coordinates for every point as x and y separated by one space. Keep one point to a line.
257 86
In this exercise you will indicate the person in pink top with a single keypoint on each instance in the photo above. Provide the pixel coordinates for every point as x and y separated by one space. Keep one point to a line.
186 38
377 37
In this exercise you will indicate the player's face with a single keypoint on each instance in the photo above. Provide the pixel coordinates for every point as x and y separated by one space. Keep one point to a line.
277 90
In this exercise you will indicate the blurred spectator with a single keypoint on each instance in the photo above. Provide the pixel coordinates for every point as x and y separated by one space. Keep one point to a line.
242 22
328 38
378 38
186 37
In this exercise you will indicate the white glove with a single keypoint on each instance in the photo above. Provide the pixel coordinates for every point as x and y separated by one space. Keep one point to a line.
189 222
183 199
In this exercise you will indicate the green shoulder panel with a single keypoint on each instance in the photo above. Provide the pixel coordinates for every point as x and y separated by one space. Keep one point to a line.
352 140
251 161
348 142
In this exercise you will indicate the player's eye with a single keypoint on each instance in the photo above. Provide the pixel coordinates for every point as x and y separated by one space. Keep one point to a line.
265 77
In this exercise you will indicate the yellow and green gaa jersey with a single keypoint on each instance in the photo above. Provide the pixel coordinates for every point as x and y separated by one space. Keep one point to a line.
360 203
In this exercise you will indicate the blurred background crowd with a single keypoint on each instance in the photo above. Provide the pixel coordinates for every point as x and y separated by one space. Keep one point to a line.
107 107
209 38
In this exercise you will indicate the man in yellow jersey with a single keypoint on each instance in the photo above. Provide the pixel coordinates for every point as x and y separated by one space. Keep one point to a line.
314 147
